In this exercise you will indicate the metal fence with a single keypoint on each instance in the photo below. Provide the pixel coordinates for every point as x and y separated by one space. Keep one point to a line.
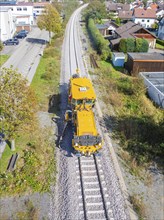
154 81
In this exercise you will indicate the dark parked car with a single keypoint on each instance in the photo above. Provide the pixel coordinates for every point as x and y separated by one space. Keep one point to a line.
13 41
23 31
20 35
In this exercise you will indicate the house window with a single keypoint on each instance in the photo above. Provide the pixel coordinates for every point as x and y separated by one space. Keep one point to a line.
24 9
148 20
19 9
143 20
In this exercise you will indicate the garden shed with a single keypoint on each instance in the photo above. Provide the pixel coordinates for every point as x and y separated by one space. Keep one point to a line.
144 62
118 59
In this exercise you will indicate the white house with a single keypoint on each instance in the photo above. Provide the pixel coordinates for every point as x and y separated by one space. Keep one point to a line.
22 10
146 18
161 29
39 7
160 13
7 24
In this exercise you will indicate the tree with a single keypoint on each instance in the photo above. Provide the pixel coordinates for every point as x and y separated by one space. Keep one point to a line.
17 105
96 10
50 20
1 46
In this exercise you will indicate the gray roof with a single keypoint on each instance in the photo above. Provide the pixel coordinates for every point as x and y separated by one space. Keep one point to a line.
116 54
101 26
130 28
156 78
147 56
117 6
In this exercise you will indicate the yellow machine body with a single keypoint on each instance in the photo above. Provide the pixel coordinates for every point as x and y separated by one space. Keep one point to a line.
86 139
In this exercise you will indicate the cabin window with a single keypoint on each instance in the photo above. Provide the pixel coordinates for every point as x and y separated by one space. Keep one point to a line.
79 102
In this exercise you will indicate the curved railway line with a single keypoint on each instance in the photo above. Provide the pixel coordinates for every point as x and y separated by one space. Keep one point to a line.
98 195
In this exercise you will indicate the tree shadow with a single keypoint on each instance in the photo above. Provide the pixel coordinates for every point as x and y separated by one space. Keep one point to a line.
54 102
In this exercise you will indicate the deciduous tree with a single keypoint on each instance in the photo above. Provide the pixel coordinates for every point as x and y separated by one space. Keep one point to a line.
50 20
17 103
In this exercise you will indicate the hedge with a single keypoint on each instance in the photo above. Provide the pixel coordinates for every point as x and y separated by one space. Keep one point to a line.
100 43
161 42
133 45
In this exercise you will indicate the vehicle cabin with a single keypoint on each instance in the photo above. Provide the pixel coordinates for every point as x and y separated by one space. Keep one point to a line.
81 93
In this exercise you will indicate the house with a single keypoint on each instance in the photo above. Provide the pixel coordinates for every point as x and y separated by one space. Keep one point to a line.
144 62
39 7
161 29
7 24
159 13
22 13
107 29
132 30
125 16
116 7
146 18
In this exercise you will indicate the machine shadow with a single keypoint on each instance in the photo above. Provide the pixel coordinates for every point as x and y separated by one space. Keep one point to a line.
58 104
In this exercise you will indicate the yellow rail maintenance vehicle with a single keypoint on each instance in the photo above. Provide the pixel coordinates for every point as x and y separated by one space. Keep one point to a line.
86 139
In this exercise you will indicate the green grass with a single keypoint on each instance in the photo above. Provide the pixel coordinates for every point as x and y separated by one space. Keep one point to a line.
3 59
158 46
135 114
46 79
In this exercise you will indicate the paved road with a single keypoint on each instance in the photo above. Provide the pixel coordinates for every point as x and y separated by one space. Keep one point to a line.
26 55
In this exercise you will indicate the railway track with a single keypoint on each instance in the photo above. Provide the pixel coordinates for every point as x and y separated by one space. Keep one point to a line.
93 61
94 201
96 195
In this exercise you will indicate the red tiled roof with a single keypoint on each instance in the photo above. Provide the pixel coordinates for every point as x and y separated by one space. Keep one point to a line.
154 6
142 13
